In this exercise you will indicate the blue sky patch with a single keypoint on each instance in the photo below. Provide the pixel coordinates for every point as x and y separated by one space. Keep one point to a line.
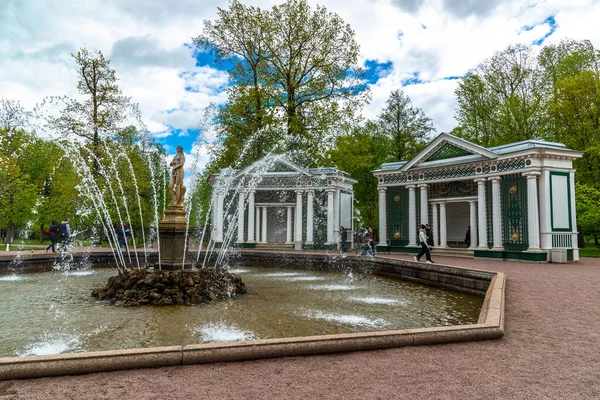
414 80
550 21
375 70
179 137
453 78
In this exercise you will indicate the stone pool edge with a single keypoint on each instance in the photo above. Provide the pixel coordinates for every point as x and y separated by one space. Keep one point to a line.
489 326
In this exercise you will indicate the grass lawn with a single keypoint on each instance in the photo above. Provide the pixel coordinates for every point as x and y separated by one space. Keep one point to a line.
14 247
590 250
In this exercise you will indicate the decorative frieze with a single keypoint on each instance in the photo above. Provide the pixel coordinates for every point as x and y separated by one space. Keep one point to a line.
450 173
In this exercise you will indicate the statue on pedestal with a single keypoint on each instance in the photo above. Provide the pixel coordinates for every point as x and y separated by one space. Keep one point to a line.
172 228
176 184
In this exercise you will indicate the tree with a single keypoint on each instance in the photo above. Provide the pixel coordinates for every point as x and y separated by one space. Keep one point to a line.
587 199
406 127
576 112
104 108
292 65
501 100
237 36
18 195
12 115
358 154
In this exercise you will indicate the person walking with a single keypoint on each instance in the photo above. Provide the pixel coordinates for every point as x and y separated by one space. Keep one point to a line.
370 240
357 241
53 233
424 246
468 237
429 233
122 235
65 231
343 241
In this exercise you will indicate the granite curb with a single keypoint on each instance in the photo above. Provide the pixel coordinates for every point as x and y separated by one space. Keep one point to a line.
489 326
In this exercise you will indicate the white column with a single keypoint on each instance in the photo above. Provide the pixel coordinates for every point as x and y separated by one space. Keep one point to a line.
443 241
424 204
496 213
330 237
264 224
288 237
481 214
215 205
352 218
533 218
573 216
412 216
435 226
473 223
220 200
310 198
544 198
241 214
382 216
258 224
298 221
251 217
336 209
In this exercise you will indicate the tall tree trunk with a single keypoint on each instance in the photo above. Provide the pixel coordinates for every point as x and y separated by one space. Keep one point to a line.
10 231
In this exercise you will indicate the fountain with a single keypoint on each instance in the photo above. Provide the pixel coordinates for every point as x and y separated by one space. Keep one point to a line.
171 280
297 302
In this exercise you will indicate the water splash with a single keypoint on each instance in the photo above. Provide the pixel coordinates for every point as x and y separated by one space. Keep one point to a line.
332 287
378 300
349 319
12 278
222 332
51 344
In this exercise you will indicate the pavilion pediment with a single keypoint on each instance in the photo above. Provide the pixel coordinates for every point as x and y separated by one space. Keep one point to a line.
274 164
448 149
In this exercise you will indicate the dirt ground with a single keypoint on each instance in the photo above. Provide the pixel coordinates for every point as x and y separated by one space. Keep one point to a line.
550 351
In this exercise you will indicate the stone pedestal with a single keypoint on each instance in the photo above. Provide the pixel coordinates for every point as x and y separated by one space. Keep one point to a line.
172 240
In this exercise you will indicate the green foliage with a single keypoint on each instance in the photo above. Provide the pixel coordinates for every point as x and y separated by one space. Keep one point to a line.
556 97
587 198
359 154
405 126
501 100
295 75
17 194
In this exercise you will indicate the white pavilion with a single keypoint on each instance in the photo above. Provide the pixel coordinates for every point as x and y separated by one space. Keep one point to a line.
276 203
517 200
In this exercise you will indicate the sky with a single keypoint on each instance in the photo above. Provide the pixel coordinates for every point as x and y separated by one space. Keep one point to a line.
423 47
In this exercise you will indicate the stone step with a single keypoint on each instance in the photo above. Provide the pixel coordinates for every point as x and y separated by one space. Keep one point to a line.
452 252
274 246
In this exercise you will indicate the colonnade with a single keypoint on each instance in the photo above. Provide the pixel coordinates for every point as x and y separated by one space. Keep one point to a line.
256 228
477 214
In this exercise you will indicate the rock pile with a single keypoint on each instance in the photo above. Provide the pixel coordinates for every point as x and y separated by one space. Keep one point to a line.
142 287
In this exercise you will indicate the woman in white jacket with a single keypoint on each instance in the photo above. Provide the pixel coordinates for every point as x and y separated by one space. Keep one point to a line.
424 246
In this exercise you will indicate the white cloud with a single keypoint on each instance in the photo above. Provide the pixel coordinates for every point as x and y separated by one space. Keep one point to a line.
146 42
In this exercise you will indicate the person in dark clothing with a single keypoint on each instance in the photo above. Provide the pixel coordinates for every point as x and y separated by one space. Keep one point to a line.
357 241
371 240
65 231
122 233
468 237
424 246
343 240
429 233
54 234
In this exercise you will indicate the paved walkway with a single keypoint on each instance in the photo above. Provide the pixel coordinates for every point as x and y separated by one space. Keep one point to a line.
551 350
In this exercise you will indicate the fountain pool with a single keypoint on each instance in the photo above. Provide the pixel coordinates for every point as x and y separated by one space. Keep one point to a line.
53 312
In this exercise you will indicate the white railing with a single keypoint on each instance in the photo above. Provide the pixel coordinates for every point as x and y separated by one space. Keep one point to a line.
562 240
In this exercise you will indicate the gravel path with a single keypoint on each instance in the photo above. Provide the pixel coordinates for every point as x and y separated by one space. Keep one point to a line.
550 351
